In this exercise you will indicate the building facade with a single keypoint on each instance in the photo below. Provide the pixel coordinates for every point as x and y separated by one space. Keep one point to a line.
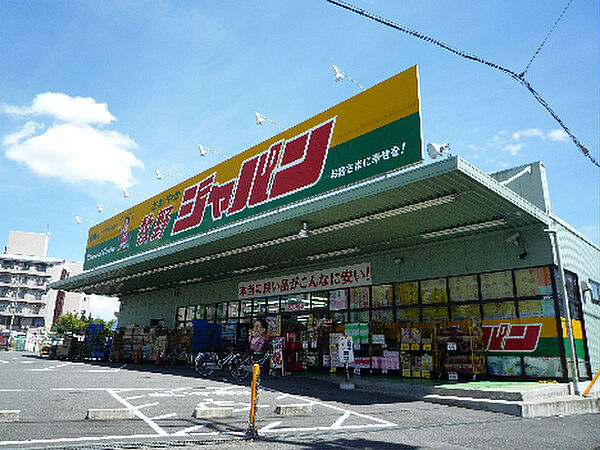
338 221
25 273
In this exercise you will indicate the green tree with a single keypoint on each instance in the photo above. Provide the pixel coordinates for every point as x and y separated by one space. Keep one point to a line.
70 321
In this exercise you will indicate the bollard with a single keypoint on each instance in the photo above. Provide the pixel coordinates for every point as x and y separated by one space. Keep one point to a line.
251 433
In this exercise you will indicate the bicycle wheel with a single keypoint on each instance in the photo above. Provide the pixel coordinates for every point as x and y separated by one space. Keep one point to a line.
238 367
167 359
201 365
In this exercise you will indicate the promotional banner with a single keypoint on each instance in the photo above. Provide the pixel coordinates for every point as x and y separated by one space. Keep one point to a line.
519 337
374 132
348 276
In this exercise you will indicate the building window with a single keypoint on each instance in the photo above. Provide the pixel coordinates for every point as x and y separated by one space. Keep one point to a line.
41 268
595 286
8 265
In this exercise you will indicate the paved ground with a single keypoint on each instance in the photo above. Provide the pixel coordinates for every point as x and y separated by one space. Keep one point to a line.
54 396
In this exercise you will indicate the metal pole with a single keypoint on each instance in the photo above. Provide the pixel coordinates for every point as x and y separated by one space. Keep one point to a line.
561 279
586 392
251 432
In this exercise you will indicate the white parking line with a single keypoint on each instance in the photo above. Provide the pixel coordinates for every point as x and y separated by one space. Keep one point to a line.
147 405
137 412
164 416
186 431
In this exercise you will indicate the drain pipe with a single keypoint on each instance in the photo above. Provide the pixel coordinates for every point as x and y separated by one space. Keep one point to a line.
573 369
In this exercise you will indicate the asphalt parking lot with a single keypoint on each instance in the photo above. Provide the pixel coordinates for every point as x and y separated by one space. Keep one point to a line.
54 397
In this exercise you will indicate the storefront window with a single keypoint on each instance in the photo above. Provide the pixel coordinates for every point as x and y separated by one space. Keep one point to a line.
382 296
382 315
199 311
407 293
181 314
273 305
435 313
338 300
191 313
531 308
359 297
463 289
293 303
434 291
499 310
412 314
260 307
246 308
463 312
210 312
359 316
496 285
221 310
233 309
533 282
338 317
318 300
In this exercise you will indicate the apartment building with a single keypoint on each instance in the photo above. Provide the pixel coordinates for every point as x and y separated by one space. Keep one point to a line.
25 272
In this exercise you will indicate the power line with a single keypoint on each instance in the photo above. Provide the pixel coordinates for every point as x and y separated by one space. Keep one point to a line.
546 38
518 77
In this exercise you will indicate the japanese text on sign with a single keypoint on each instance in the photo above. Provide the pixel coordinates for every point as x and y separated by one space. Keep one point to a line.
341 277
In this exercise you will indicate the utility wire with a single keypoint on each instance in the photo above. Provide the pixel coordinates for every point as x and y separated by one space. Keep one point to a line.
546 38
518 77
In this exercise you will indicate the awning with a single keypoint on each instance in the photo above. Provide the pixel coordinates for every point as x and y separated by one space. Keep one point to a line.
406 208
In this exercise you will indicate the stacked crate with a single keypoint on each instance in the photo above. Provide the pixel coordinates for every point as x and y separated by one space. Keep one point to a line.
95 341
205 336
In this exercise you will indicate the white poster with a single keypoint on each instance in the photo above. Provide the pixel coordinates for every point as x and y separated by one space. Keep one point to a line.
340 277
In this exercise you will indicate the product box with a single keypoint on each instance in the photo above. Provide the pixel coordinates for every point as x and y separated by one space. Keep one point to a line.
406 360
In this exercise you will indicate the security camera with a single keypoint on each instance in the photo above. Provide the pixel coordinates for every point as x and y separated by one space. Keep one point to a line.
513 239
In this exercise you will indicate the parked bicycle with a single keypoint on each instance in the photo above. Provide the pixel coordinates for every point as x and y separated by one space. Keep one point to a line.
206 363
176 355
241 365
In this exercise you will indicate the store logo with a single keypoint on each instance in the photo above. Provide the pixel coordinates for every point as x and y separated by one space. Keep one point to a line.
508 337
285 168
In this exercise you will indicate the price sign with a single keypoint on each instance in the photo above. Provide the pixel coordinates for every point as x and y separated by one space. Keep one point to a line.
451 346
346 349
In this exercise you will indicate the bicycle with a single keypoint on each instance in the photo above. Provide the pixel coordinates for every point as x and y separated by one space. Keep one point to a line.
241 365
175 355
205 363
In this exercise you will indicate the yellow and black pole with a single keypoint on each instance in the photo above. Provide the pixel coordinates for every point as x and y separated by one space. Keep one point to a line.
251 432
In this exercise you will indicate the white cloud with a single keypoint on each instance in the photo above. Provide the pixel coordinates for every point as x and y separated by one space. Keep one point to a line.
531 132
513 148
72 149
558 135
77 110
28 129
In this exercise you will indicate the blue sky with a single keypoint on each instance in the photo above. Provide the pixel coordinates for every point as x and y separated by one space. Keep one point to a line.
97 95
